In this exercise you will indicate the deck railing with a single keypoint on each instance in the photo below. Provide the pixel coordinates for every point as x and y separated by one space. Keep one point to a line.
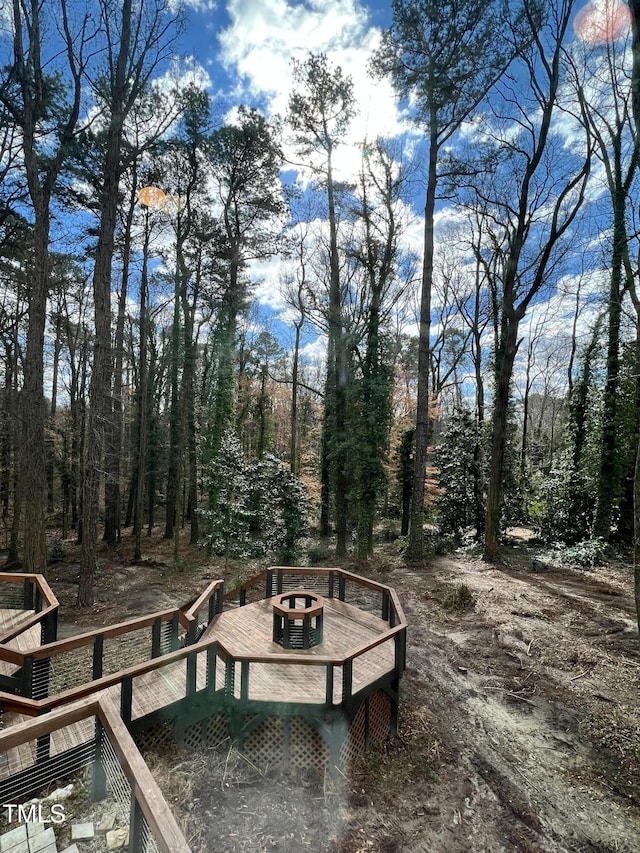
28 592
377 598
210 667
66 667
118 770
203 610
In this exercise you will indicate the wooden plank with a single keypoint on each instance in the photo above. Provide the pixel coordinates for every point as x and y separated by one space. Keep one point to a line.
162 824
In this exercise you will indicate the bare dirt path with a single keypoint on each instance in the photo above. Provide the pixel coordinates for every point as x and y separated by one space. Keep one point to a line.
529 708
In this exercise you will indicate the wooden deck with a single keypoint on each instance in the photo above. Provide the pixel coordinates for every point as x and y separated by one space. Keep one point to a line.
244 632
247 631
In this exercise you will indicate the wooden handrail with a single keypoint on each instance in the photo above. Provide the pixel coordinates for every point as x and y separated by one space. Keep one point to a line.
164 827
191 612
86 639
32 707
29 622
144 788
41 582
310 570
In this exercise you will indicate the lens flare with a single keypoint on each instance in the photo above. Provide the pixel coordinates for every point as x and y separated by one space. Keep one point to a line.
601 22
152 197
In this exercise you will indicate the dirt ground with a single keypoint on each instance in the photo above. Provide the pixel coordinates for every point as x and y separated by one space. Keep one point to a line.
519 726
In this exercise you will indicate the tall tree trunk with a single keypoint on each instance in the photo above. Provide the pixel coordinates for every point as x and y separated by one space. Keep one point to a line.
100 400
416 529
142 394
175 442
609 473
508 351
337 443
293 440
33 477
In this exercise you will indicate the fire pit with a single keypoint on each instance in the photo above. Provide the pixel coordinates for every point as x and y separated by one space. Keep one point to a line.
297 619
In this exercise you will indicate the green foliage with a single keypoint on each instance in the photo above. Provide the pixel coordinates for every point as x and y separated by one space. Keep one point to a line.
228 521
456 461
281 507
564 508
57 551
259 508
458 598
584 555
322 105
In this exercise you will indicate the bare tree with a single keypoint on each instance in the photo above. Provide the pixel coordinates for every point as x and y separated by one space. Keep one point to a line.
48 130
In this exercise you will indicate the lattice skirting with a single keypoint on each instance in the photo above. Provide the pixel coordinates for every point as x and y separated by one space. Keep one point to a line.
380 712
281 741
158 737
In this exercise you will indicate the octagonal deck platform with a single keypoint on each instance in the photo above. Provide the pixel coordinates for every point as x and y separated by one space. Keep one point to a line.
246 632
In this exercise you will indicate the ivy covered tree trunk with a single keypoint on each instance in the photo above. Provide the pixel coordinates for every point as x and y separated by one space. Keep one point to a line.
508 350
610 474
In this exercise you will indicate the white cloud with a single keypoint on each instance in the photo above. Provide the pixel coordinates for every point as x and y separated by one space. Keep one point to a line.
264 36
195 5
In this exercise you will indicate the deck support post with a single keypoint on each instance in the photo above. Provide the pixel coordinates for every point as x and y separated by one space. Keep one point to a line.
98 648
212 657
98 776
49 629
347 684
244 680
342 583
329 690
136 817
27 594
385 605
26 688
126 700
156 635
175 643
192 671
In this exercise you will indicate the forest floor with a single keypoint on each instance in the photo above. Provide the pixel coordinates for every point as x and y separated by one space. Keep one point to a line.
519 725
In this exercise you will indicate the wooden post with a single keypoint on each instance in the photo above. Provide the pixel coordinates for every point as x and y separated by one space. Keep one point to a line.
212 659
126 699
268 586
49 630
229 676
156 635
192 671
27 594
342 584
175 642
26 689
329 690
98 777
347 683
192 631
331 583
385 605
136 819
243 596
244 680
98 648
